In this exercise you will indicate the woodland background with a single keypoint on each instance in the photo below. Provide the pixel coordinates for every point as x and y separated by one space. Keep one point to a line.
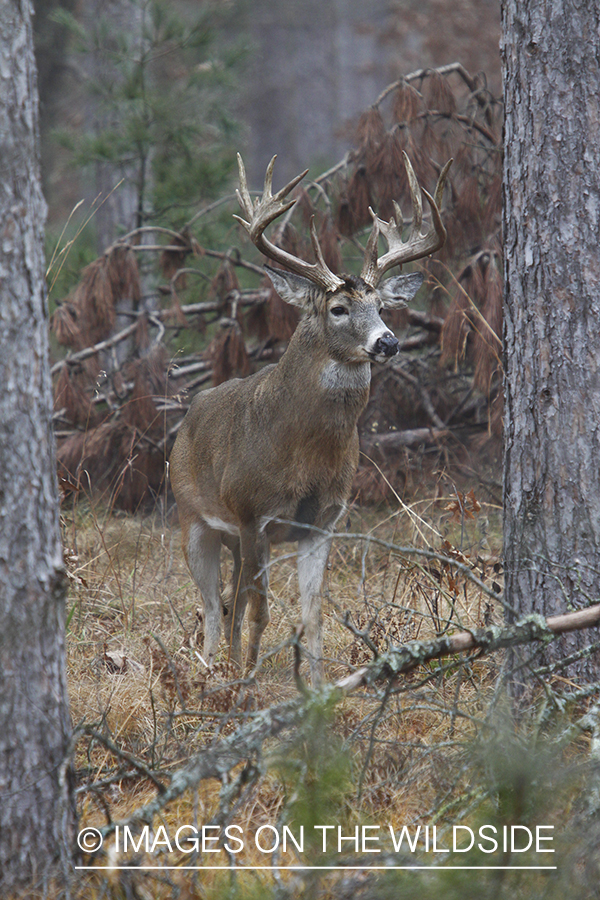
143 106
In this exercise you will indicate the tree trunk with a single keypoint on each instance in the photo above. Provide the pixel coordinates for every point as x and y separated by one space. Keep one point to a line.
118 209
36 817
551 59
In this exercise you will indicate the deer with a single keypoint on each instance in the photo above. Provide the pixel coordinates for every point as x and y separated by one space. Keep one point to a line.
270 458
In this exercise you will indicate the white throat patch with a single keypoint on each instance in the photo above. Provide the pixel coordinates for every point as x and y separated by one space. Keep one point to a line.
337 376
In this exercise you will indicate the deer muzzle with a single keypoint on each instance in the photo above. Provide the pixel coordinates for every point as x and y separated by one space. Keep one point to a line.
386 346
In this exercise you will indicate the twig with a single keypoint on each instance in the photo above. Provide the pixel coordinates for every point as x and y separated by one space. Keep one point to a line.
124 755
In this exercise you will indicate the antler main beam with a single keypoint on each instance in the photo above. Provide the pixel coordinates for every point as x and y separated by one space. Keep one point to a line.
268 208
417 245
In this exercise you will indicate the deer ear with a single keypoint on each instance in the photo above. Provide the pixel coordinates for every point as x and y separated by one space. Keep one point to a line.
292 288
397 291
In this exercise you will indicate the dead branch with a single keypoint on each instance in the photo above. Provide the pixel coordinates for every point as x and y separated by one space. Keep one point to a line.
425 320
96 348
422 73
141 769
533 628
419 341
247 298
224 755
428 406
394 440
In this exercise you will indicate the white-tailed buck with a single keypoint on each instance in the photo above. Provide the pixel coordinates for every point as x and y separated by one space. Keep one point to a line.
271 457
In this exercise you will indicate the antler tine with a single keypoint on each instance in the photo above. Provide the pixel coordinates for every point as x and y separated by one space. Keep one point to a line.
243 195
417 245
266 210
317 247
415 196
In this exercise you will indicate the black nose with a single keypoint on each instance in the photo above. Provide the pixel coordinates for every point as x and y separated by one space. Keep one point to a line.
387 345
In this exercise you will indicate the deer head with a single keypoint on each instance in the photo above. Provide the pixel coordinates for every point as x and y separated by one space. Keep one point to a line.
271 457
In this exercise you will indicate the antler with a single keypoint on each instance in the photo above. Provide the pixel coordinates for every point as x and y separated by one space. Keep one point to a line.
268 208
417 245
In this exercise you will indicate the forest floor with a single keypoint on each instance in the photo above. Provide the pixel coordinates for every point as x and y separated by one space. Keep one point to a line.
144 702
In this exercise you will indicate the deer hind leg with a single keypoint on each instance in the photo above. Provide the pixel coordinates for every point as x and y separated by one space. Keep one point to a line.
254 586
313 552
202 549
235 604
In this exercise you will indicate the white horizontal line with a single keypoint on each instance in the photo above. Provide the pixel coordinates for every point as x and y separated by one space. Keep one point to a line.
312 868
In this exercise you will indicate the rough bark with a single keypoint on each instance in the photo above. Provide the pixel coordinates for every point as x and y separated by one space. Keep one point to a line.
551 57
36 821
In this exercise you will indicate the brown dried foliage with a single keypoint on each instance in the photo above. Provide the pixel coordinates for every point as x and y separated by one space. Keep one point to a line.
370 129
289 239
123 274
70 395
329 240
140 411
282 318
353 207
96 303
171 261
457 326
112 461
142 334
304 207
344 219
256 321
65 326
439 95
90 311
467 210
431 125
473 327
408 103
119 455
175 313
389 174
173 675
487 344
228 353
224 281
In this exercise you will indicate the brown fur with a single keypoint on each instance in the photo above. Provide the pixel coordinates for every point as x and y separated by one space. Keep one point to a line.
271 457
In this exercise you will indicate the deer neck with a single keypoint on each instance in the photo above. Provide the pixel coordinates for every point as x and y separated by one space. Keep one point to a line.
329 393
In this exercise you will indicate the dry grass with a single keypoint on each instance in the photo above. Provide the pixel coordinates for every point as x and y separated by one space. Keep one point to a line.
420 752
138 684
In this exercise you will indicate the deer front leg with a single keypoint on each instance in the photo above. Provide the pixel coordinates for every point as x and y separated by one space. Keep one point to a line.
253 592
313 552
202 550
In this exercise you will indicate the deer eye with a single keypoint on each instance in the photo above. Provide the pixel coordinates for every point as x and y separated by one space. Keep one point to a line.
338 311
